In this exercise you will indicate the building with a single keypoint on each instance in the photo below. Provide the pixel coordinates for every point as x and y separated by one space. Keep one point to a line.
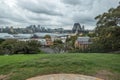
82 42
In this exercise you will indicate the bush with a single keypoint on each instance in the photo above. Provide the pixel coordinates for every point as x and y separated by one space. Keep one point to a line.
58 46
18 47
8 46
2 40
32 47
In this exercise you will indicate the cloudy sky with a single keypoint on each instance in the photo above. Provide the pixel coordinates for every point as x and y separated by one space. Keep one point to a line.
53 13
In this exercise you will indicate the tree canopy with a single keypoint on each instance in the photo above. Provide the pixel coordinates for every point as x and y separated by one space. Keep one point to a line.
108 30
47 36
108 19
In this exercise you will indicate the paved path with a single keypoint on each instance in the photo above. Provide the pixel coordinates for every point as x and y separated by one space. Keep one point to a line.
47 50
64 77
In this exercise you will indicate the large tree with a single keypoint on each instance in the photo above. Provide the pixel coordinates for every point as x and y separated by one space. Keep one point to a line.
108 30
108 19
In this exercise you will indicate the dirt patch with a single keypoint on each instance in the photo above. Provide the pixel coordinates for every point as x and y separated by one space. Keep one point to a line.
64 77
104 74
3 77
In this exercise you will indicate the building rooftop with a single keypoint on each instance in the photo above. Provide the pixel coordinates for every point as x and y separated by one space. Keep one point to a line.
84 40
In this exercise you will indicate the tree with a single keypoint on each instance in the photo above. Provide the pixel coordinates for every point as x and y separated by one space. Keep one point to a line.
108 19
48 36
108 31
12 46
58 46
32 47
72 40
8 46
2 40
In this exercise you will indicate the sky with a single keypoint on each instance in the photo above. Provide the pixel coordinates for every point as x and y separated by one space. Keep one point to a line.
53 13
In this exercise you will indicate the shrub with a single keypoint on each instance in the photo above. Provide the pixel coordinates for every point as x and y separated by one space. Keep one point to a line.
8 46
18 47
32 47
2 40
58 46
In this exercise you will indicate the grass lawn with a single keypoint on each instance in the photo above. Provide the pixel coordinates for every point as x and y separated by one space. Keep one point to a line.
21 67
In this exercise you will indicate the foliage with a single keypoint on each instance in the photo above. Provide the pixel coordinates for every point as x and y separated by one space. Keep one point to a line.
57 42
110 39
93 34
58 46
71 40
1 40
110 18
47 36
108 31
12 46
70 44
8 46
33 47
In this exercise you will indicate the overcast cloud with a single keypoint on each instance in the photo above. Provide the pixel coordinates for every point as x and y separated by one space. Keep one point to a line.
53 13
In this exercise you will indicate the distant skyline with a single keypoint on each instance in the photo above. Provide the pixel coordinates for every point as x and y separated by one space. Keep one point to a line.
53 13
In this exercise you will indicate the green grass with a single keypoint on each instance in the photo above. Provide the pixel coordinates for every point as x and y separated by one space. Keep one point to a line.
21 67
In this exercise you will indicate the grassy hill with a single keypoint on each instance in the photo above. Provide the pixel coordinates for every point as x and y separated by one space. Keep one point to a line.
21 67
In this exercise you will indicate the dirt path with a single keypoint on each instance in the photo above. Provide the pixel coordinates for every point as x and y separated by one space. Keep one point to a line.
3 77
64 77
47 50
